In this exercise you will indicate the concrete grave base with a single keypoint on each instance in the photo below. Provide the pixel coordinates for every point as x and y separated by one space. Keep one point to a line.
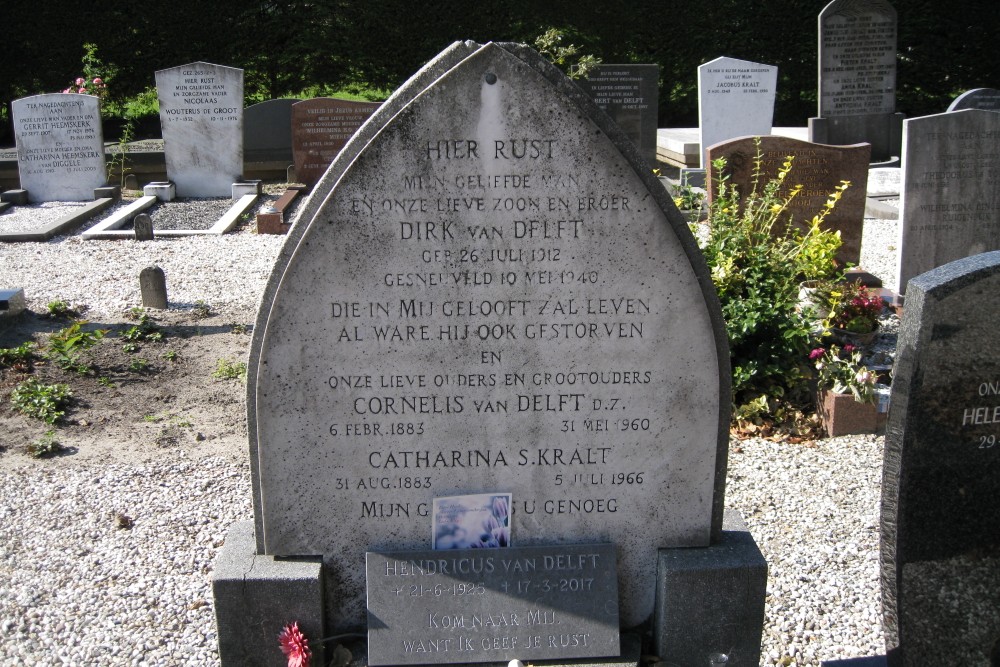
11 304
162 190
710 600
256 596
63 225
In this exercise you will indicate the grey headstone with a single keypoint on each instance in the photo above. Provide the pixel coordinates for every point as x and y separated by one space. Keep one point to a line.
940 526
987 99
143 227
17 197
320 128
630 94
201 114
857 58
12 302
443 165
492 605
153 286
267 130
950 195
60 146
131 182
735 99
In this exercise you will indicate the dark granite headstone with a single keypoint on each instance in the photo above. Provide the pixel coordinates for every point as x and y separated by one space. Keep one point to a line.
267 131
490 605
153 286
987 99
818 168
320 128
940 524
630 94
143 227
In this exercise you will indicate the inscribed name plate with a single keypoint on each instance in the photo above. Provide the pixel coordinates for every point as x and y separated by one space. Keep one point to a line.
987 99
940 527
320 128
493 299
60 146
201 115
491 605
735 99
818 168
630 95
857 58
950 191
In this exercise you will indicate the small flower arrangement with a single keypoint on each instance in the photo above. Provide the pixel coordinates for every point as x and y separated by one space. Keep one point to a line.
95 86
855 308
840 370
295 646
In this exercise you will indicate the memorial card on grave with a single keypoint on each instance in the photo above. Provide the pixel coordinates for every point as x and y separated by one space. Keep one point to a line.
320 128
857 76
817 167
940 526
201 115
950 191
630 94
987 99
60 146
497 296
735 99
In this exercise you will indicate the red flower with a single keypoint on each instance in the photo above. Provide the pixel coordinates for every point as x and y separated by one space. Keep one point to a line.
295 646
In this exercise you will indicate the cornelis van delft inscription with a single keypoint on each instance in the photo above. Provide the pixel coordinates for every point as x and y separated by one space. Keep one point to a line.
492 604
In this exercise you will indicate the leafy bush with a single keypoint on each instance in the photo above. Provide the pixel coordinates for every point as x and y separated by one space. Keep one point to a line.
41 401
45 446
17 357
757 258
66 346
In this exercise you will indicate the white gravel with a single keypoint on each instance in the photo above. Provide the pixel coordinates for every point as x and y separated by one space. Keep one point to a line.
75 589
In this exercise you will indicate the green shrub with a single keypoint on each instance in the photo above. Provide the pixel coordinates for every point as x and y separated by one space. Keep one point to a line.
45 446
41 401
17 356
230 370
66 346
758 258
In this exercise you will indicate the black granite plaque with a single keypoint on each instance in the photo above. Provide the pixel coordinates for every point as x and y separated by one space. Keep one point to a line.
490 605
630 94
940 525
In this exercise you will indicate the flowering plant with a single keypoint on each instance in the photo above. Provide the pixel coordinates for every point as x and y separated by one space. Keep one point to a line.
91 82
855 308
294 645
840 370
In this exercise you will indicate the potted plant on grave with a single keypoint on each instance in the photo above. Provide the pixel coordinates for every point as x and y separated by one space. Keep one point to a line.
853 313
845 391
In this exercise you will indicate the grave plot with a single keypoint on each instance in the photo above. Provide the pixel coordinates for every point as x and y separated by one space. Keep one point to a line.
186 216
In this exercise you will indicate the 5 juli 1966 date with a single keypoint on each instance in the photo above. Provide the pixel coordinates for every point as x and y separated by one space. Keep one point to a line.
377 428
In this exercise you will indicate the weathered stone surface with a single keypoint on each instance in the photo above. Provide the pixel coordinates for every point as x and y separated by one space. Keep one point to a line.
940 528
153 287
857 58
950 199
987 99
201 114
630 94
735 99
492 605
320 128
490 281
818 168
142 225
60 146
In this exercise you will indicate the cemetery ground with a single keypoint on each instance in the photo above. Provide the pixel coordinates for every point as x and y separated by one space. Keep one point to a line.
107 548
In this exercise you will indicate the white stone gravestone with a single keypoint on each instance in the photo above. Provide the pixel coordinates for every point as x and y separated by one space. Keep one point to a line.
201 114
735 99
950 193
60 146
492 298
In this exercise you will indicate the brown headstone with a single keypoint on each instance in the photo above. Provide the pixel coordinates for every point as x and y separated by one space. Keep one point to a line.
320 128
818 168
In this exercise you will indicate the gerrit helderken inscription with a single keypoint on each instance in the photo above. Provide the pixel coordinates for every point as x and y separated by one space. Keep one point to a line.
493 299
488 605
940 528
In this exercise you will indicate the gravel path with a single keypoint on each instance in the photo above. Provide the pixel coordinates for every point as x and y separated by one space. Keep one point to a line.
76 589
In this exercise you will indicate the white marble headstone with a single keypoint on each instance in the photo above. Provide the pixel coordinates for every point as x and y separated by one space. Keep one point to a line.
493 298
60 146
735 99
201 114
950 193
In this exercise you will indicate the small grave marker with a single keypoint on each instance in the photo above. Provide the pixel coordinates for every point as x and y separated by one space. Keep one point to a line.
201 114
940 528
320 128
143 227
60 146
153 286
